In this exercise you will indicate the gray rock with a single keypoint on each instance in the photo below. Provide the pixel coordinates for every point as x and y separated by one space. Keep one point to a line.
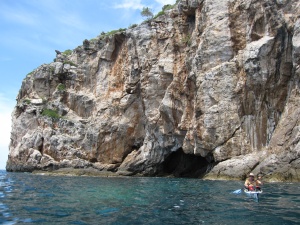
212 86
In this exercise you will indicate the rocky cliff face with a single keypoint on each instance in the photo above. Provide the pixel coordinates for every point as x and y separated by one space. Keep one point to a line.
210 89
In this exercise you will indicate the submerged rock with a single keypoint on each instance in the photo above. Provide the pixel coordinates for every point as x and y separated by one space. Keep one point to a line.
210 88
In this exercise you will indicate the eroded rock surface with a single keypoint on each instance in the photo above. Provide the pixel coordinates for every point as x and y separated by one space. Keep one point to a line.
211 89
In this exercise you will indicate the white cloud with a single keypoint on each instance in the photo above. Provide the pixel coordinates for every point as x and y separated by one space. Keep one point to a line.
165 2
130 4
6 108
18 15
72 20
21 17
138 4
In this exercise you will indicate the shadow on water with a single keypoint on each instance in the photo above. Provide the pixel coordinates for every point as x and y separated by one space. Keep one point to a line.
33 199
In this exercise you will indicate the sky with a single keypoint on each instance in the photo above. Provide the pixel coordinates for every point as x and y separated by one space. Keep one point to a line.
31 31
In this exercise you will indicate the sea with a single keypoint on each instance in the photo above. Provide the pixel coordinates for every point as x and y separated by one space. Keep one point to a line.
41 199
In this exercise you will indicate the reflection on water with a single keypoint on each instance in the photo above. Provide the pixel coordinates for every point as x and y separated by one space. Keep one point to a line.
5 190
33 199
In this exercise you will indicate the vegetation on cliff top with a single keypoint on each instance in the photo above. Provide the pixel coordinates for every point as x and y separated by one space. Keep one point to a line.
110 33
67 52
165 8
146 12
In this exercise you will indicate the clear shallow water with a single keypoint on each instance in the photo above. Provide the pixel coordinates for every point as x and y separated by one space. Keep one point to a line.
33 199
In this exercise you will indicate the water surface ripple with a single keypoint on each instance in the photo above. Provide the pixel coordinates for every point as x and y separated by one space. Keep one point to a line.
34 199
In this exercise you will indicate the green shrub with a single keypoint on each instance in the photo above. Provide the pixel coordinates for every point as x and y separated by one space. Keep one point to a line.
27 101
164 8
159 14
113 32
93 40
147 12
167 7
71 63
122 29
67 52
61 87
133 26
51 113
29 74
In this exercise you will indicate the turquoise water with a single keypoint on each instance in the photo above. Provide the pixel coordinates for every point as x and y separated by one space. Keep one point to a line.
34 199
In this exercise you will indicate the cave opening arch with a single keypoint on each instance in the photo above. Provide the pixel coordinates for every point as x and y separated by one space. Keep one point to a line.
180 164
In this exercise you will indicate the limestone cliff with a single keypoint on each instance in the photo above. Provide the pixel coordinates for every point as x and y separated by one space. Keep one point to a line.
209 88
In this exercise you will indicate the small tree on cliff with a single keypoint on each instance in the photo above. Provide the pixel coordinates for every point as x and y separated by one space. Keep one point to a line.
146 12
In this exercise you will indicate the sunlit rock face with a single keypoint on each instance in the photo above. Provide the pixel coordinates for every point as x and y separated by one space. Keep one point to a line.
210 85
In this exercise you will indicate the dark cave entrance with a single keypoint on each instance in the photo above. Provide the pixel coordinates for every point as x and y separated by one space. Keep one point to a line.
180 164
